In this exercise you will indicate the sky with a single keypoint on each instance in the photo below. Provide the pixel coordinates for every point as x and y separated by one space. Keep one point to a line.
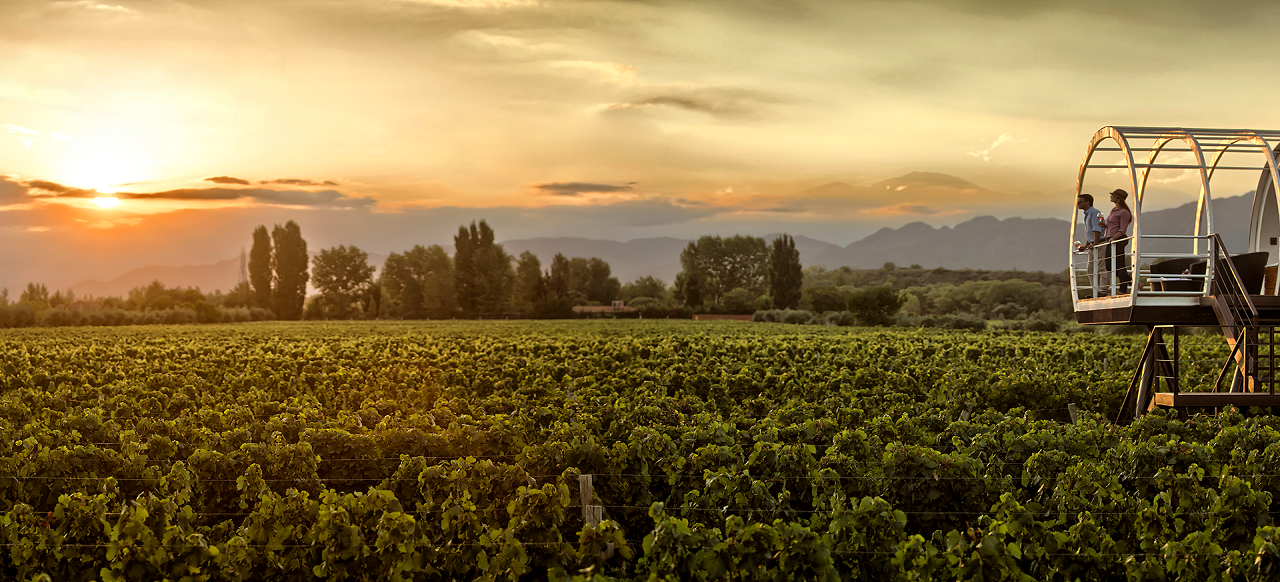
389 123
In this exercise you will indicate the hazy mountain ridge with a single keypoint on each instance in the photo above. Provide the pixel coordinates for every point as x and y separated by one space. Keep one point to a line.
984 242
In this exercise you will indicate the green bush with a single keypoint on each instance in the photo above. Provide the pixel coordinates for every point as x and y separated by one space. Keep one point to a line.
793 316
875 305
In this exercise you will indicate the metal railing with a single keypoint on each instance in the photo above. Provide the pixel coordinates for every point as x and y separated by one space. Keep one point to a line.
1230 286
1100 273
1098 270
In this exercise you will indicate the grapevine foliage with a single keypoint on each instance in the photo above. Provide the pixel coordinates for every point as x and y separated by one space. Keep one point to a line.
717 452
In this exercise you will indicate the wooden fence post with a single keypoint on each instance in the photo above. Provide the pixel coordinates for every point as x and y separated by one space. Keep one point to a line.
586 493
592 514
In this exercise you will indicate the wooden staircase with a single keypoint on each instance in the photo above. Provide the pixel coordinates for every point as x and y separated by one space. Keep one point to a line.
1253 343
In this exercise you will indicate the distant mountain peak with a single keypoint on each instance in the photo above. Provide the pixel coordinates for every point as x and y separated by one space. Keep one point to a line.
928 179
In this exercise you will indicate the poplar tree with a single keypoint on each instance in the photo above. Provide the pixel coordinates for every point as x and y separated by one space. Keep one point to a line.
483 277
291 270
785 274
260 269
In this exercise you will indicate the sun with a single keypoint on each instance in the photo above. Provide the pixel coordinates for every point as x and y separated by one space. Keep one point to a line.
107 201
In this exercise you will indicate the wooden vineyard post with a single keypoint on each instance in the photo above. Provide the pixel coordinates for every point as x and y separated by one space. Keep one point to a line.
591 513
1071 408
587 495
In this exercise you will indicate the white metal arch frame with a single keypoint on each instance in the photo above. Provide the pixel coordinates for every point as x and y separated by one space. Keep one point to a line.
1208 147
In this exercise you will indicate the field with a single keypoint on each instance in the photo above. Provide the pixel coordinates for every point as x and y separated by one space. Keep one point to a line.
387 451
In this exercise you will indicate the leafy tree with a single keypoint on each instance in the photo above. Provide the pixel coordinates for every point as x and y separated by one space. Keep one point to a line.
722 264
261 265
35 293
785 274
557 300
343 275
603 286
240 296
559 276
373 306
4 297
823 299
591 280
420 283
59 299
647 286
875 305
483 276
531 288
688 288
291 270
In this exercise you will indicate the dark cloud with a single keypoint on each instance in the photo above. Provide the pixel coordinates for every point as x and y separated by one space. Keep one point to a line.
56 190
720 102
11 192
576 188
323 198
190 194
299 182
227 180
320 199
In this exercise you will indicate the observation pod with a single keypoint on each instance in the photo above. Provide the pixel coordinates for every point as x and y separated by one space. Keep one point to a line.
1172 276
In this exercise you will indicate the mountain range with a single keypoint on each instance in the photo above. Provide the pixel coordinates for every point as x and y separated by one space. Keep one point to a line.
984 242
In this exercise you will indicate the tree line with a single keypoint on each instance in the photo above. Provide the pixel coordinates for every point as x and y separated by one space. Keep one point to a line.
480 279
730 275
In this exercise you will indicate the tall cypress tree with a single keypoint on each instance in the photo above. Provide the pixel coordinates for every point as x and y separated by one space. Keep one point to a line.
260 268
785 274
291 270
465 279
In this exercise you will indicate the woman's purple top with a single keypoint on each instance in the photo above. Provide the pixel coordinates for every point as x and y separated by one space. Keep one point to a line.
1118 222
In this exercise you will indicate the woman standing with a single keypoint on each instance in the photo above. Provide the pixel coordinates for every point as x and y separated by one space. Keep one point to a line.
1114 239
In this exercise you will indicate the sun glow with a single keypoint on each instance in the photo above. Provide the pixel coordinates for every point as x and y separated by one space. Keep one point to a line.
107 201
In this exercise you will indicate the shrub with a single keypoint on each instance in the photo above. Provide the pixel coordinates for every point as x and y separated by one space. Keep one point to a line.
643 302
1039 321
875 305
943 322
22 315
738 301
794 316
57 317
840 318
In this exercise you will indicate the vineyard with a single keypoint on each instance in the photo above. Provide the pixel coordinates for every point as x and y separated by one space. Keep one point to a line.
616 450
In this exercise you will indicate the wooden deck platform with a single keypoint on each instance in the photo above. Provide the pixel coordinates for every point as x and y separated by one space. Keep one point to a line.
1191 311
1215 399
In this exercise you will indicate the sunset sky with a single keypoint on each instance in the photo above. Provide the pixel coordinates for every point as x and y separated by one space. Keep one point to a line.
388 123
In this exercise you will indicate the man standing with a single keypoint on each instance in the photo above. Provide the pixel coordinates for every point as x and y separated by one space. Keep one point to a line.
1093 229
